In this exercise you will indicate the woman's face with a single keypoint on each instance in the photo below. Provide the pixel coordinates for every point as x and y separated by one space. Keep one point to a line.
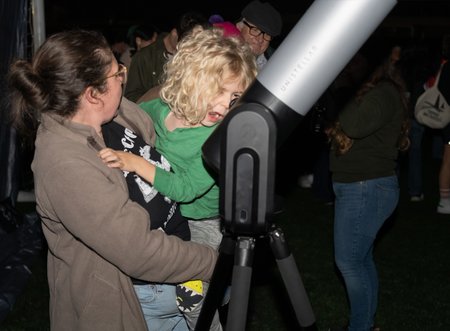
115 80
220 105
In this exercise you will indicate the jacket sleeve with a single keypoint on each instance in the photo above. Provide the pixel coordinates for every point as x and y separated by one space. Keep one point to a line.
91 202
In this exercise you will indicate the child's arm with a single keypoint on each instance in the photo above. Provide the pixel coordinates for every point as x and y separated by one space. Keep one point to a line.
128 162
184 185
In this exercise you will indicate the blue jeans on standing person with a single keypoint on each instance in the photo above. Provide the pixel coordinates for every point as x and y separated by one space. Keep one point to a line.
159 305
415 174
361 208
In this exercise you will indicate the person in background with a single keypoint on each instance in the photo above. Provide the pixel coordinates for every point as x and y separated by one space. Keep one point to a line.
118 42
98 238
147 64
201 82
365 143
139 36
444 171
229 28
260 22
418 62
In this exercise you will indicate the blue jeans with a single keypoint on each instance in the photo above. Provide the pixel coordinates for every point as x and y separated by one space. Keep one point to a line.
361 208
415 174
206 233
158 303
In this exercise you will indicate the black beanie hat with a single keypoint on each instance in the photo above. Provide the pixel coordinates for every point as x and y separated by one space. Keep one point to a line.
264 16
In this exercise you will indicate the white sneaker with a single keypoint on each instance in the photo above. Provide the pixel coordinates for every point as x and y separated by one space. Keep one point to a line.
306 181
417 198
443 208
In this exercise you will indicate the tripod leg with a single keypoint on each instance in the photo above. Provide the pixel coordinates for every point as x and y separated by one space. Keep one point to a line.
292 280
219 281
240 284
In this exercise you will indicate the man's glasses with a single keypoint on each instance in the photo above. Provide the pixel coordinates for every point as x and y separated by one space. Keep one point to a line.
121 74
255 32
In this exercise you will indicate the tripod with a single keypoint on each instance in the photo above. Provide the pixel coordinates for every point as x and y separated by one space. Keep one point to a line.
243 146
247 166
242 249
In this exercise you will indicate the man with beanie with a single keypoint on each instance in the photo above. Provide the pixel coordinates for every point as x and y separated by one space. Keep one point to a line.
260 22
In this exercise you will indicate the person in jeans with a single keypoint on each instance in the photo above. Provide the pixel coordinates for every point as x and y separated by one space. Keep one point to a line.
365 142
444 171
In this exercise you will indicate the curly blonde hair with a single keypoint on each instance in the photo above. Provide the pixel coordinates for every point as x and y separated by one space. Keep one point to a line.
204 61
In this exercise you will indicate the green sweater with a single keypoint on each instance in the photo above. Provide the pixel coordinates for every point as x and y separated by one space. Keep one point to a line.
375 125
190 183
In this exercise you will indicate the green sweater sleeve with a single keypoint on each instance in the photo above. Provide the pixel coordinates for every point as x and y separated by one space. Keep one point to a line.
184 186
190 183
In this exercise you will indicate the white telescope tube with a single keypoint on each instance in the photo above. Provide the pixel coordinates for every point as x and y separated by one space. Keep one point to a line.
318 48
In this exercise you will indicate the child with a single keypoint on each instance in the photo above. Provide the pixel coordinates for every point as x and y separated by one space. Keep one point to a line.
157 300
207 74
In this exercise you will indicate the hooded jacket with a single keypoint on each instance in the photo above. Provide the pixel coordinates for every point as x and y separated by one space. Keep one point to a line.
97 237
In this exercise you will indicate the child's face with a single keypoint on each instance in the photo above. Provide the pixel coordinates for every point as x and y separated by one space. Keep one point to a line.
220 105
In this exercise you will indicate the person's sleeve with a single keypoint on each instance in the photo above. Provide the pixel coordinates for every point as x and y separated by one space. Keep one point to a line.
187 185
98 213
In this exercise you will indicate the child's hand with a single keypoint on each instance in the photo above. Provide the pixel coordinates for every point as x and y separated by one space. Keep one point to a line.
117 159
128 162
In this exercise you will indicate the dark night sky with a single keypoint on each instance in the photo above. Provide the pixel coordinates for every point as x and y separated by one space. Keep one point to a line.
109 15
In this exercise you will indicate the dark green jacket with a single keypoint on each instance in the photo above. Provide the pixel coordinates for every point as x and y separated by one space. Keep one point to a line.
375 125
146 69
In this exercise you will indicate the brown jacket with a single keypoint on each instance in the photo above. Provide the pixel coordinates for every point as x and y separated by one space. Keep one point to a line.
97 237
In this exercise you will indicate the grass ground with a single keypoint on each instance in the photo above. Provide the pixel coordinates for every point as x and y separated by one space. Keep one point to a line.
412 255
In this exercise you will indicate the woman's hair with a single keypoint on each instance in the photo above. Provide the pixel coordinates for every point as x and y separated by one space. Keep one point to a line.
203 62
60 71
386 72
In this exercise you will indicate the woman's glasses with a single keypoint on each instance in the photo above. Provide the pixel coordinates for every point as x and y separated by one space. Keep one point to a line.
255 32
121 74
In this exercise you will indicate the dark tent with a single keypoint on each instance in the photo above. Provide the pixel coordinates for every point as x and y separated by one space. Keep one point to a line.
20 233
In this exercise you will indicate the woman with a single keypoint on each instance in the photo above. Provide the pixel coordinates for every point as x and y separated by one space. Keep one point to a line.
365 142
97 237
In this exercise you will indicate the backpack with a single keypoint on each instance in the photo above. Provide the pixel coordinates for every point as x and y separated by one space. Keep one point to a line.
431 109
